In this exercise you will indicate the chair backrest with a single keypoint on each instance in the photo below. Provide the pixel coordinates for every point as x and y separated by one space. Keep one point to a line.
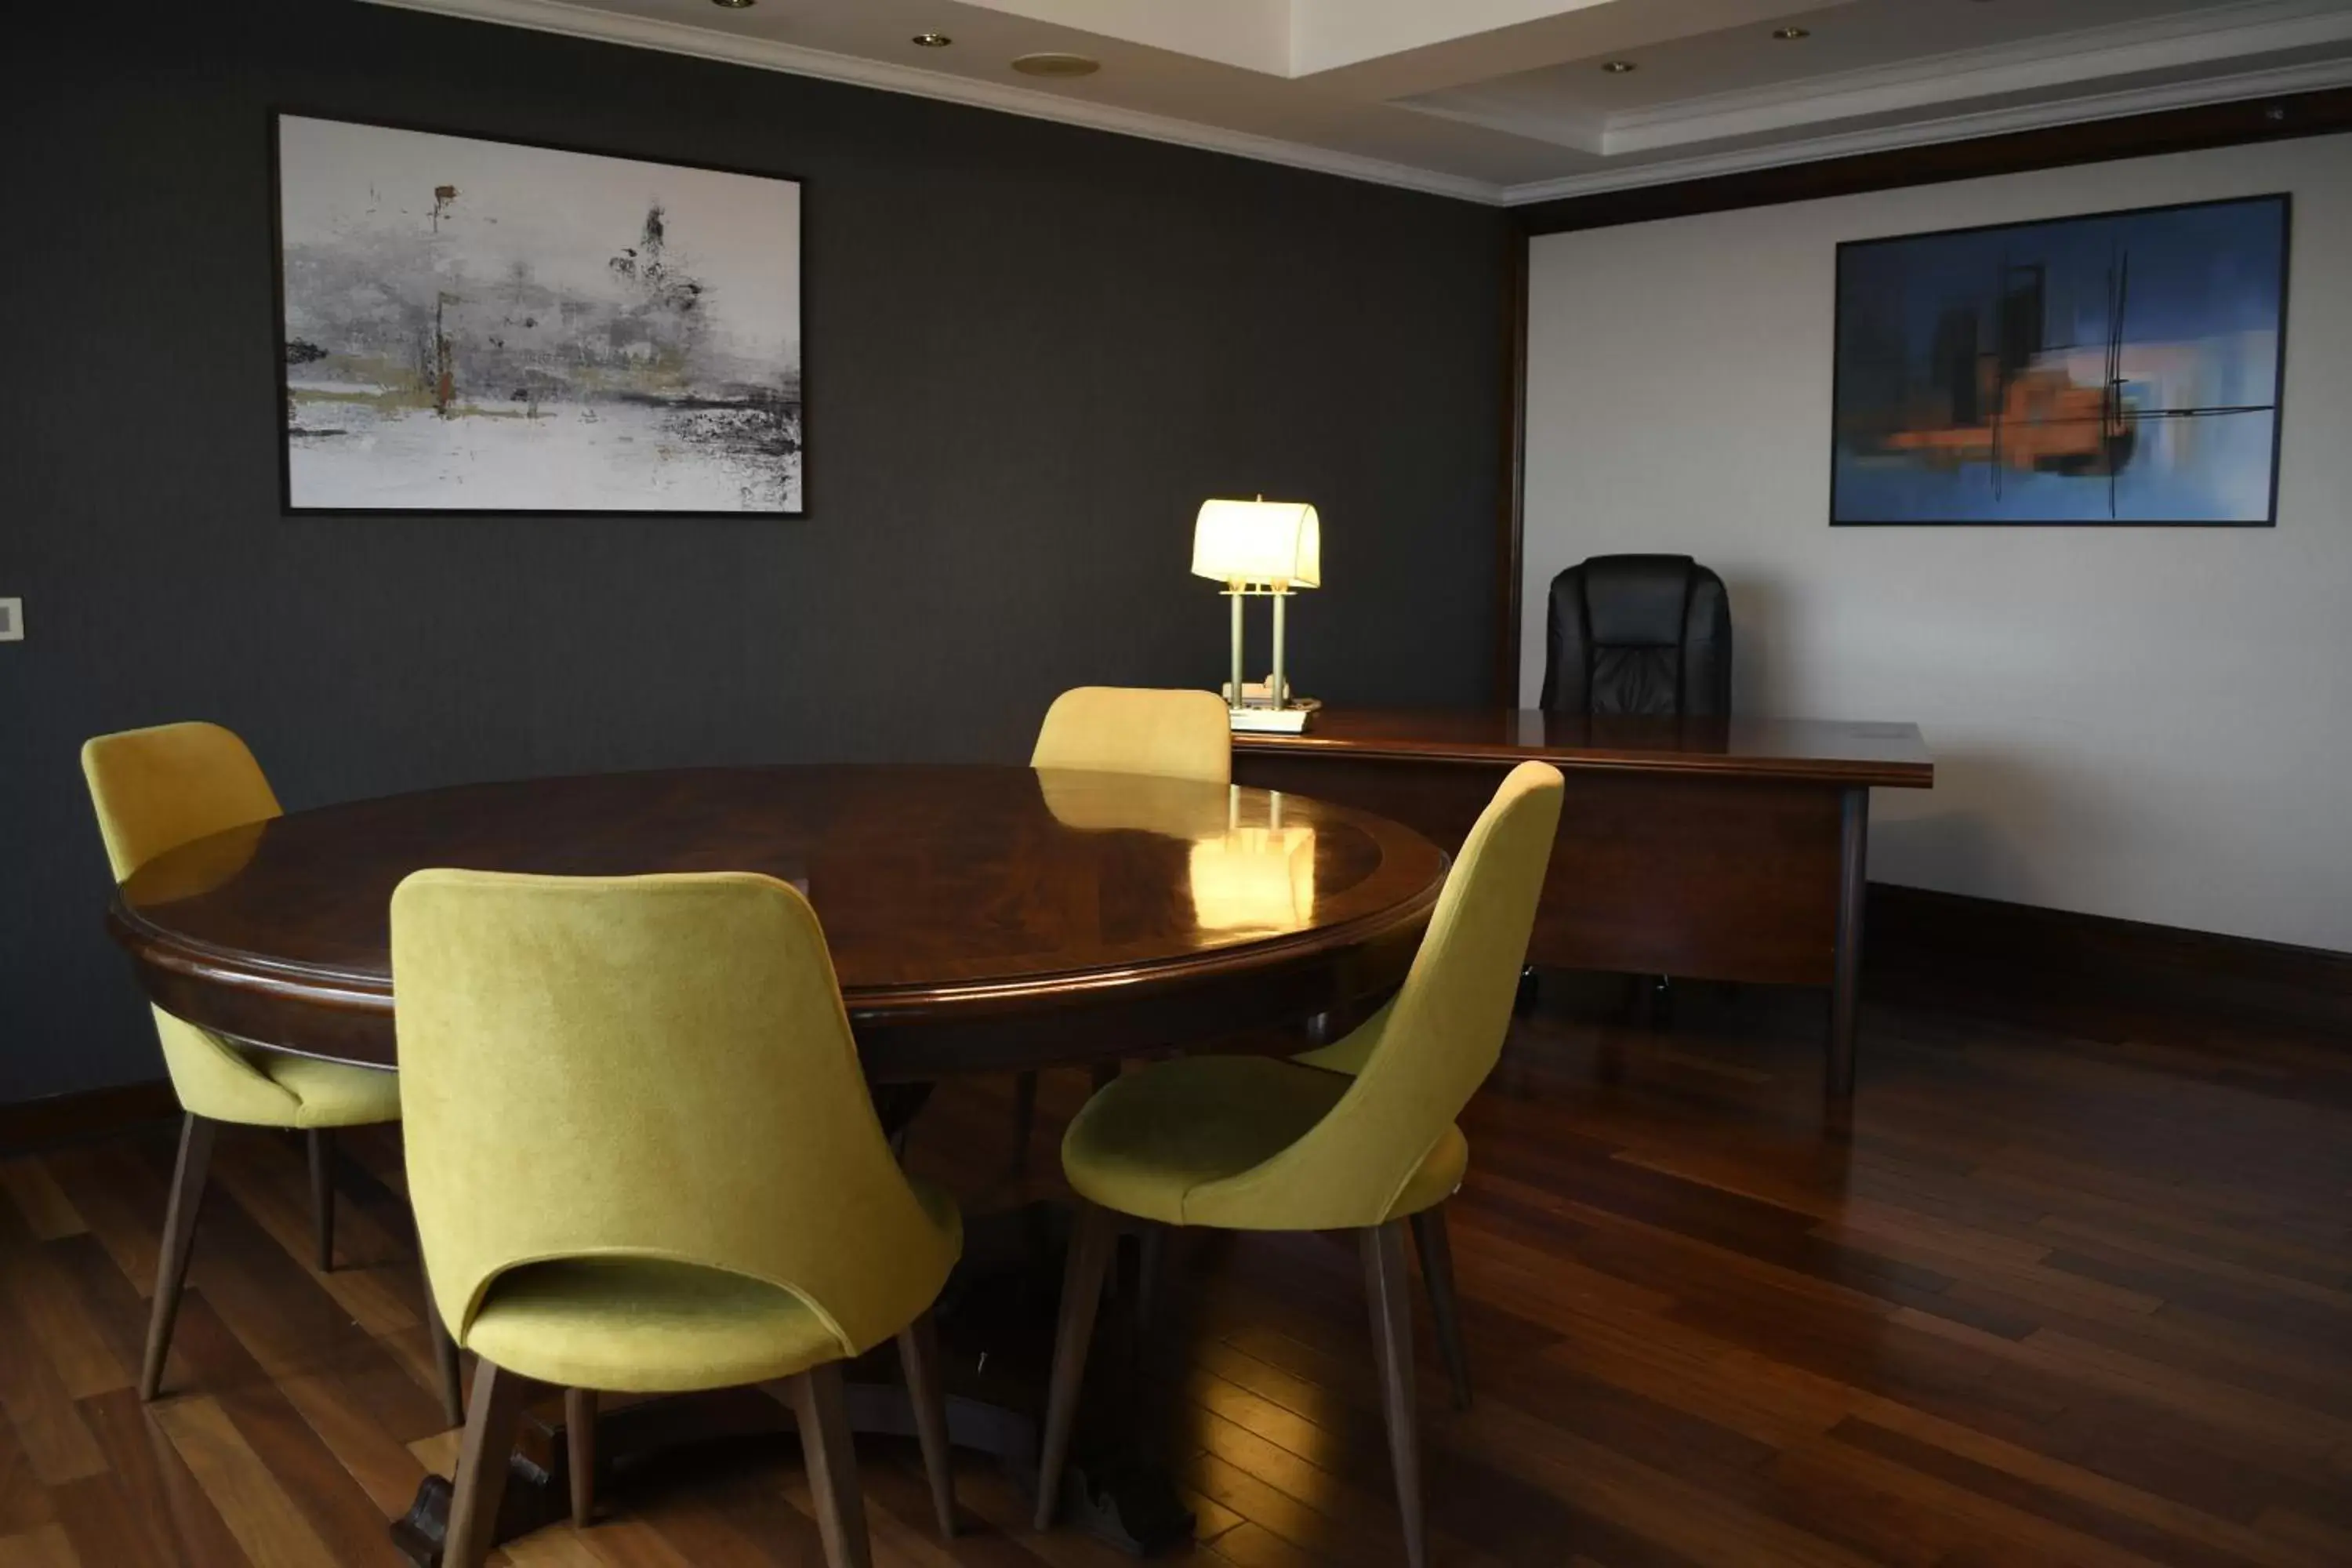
1137 729
1436 1042
649 1067
157 789
1639 633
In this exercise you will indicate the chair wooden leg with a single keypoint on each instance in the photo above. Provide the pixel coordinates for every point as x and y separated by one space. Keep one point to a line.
1091 1243
822 1412
445 1348
179 1238
1025 1118
321 1143
580 1452
491 1422
1153 1245
919 1352
1386 1283
445 1361
1444 1310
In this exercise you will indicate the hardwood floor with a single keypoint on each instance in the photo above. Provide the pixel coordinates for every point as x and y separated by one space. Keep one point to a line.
2075 1290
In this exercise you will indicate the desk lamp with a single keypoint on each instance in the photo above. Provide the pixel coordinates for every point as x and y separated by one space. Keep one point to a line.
1260 548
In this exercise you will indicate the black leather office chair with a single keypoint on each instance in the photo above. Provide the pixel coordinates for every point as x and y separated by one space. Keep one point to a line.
1639 633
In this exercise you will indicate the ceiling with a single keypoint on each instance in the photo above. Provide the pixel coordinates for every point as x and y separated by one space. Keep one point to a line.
1507 100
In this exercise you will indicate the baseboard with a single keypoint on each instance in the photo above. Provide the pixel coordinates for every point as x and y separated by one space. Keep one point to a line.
90 1113
1921 943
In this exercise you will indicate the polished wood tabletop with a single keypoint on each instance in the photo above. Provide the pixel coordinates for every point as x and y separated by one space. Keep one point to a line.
979 917
1889 755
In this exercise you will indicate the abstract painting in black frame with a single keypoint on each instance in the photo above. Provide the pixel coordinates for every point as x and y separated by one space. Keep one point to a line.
490 326
2120 368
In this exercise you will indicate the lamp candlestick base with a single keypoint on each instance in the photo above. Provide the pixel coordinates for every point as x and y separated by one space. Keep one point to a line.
1269 721
1233 693
1279 683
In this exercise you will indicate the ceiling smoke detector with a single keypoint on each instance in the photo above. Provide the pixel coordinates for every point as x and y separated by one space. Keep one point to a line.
1055 63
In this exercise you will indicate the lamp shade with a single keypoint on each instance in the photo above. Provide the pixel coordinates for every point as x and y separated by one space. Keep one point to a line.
1258 541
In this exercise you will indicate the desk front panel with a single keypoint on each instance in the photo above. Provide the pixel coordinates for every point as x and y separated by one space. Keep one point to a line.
1712 878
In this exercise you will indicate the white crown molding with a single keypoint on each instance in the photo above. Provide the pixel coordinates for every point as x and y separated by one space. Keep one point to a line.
677 38
2313 78
2077 59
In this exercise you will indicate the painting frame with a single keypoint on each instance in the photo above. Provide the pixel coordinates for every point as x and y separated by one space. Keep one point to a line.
281 399
1847 250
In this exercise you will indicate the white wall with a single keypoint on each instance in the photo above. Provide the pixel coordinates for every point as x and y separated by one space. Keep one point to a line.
2149 723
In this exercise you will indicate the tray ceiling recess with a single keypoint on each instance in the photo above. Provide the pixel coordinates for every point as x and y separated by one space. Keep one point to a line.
1510 100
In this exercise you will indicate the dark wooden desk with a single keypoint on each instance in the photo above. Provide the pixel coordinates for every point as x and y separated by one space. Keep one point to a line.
1707 848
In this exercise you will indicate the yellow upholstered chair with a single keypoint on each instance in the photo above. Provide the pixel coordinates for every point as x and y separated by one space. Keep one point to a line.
1260 1143
644 1158
155 790
1126 730
1137 729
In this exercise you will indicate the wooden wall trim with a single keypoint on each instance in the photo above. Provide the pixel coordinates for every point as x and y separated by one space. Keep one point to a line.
2176 130
1971 952
1510 510
2016 153
2102 141
91 1113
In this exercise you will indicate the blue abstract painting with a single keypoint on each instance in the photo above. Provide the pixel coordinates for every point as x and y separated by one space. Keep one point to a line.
2119 368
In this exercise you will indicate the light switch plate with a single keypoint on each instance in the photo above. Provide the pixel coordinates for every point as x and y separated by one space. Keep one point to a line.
11 620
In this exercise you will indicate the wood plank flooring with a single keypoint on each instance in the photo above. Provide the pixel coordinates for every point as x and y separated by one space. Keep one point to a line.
2074 1289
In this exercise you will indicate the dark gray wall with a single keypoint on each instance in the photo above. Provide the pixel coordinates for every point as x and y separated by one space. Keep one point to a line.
1033 349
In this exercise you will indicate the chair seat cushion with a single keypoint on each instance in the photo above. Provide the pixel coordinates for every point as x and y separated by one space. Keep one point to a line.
1345 1055
329 1094
648 1325
643 1323
222 1081
1148 1143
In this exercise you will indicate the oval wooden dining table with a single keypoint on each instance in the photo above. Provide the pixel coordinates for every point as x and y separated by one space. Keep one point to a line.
981 918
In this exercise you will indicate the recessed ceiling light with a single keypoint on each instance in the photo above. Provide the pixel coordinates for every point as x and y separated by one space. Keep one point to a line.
932 40
1791 34
1619 68
734 5
1053 63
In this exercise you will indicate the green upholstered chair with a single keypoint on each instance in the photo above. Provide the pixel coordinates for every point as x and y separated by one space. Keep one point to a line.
1240 1143
1126 730
155 790
644 1158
